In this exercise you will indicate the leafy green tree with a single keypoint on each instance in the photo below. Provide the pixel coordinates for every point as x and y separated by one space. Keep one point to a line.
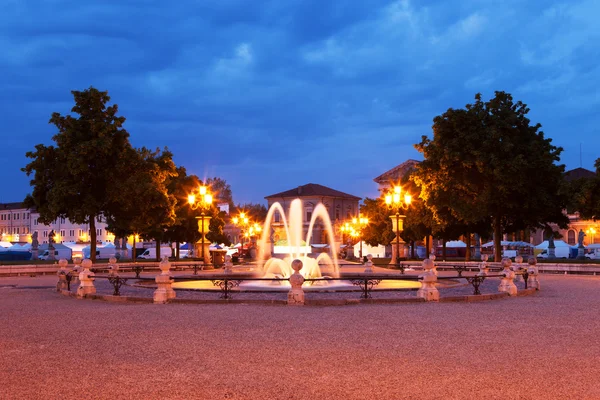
379 230
487 161
142 203
587 195
74 179
221 191
255 211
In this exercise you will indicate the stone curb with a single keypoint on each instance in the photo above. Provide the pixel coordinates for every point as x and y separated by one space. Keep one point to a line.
308 302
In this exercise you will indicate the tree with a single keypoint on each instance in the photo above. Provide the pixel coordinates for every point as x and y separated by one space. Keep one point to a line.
221 191
587 195
256 212
487 161
379 230
142 203
75 178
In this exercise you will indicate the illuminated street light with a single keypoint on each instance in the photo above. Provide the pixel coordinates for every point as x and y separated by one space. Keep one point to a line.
201 200
395 201
248 229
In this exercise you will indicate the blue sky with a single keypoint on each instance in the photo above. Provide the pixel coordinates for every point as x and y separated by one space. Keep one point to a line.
273 94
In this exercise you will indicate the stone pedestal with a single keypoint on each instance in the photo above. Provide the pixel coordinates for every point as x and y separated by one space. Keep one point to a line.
164 291
296 294
228 265
428 291
506 284
86 280
551 253
203 242
62 275
532 270
369 264
581 253
483 267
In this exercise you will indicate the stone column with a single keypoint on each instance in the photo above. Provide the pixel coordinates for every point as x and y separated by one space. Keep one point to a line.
483 267
62 275
533 272
369 264
506 284
296 294
428 291
164 291
86 280
477 246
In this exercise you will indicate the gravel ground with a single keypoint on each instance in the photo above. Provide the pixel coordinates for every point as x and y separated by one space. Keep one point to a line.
545 346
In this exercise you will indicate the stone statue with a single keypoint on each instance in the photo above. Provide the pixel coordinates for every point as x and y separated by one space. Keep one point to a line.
580 237
551 242
34 241
506 284
428 290
51 237
296 294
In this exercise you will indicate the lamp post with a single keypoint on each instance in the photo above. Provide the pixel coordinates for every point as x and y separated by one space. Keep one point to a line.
202 200
395 201
347 230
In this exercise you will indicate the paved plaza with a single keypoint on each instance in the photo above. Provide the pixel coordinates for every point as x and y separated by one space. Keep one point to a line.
544 346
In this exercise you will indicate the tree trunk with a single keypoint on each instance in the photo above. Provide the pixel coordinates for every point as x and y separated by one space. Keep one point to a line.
468 243
177 250
93 237
427 246
157 250
412 249
497 239
443 249
133 249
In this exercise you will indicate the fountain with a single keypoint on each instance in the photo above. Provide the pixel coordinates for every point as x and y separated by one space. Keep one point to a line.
275 261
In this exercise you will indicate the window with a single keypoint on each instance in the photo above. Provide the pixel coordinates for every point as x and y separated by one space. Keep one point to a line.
571 237
17 215
72 233
337 214
62 220
45 233
62 234
99 232
277 216
8 217
308 214
35 221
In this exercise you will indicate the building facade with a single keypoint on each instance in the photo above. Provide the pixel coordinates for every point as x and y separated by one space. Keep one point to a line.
18 223
341 207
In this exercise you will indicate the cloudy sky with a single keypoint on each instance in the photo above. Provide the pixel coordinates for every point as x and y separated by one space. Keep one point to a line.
273 94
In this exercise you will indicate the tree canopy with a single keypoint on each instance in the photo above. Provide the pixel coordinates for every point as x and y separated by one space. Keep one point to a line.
74 178
487 162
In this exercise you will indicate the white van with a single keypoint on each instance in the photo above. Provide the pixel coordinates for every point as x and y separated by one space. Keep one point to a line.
58 254
151 253
559 252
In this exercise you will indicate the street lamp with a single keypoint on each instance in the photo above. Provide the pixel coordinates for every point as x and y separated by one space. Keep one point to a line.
591 231
248 229
202 200
347 229
395 201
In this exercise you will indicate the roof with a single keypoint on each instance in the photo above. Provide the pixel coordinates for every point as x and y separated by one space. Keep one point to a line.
313 189
578 173
398 172
12 206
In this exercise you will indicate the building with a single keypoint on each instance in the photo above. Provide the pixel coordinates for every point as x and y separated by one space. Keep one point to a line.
18 223
340 207
395 175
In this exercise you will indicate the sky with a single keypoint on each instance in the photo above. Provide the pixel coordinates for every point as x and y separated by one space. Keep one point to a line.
274 94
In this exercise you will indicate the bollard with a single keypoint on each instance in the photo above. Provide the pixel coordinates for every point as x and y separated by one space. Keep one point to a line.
164 291
532 270
428 291
369 264
86 280
483 267
296 294
228 265
62 283
506 284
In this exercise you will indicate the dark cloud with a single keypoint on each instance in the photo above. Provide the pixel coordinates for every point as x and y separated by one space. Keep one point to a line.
270 95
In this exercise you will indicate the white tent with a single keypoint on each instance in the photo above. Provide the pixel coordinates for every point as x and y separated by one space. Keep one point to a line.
455 243
375 251
557 244
17 247
5 244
